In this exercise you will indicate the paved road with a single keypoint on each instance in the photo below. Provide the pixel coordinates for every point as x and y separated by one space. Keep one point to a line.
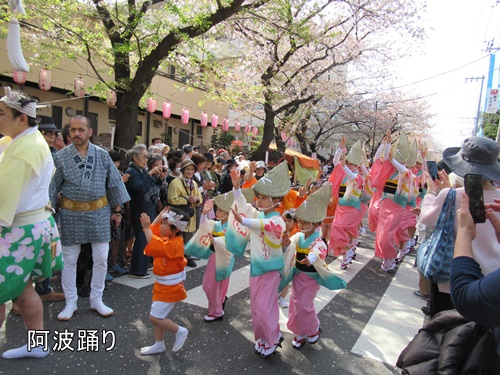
365 327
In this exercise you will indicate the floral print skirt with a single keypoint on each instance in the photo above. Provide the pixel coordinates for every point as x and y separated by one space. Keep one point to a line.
29 250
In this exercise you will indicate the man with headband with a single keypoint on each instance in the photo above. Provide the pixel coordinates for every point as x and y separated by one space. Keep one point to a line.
29 240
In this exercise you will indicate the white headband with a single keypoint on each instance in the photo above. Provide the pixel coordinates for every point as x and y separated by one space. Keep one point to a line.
175 219
13 101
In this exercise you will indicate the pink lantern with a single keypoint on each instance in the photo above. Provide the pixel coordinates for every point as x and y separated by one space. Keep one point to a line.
289 142
185 116
225 125
237 126
167 109
152 105
204 119
283 136
215 120
111 99
255 131
79 87
19 77
247 128
45 79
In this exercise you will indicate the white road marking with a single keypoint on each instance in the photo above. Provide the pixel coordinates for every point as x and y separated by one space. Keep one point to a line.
396 319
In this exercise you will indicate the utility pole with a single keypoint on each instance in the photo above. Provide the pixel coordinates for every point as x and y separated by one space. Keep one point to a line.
476 126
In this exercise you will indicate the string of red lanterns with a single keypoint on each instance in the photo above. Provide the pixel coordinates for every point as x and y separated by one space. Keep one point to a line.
45 84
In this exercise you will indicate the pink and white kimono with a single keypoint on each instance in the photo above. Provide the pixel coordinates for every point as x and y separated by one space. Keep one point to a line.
266 264
302 317
394 180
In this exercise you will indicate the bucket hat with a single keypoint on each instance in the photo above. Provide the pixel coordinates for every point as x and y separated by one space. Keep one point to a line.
47 124
478 155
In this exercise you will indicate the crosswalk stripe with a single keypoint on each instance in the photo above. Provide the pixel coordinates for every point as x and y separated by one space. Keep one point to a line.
325 295
141 283
398 311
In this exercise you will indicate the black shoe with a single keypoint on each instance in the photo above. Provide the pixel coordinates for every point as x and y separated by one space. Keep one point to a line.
83 291
191 263
426 310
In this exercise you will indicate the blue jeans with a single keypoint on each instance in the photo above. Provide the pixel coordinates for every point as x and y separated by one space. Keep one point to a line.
140 262
43 287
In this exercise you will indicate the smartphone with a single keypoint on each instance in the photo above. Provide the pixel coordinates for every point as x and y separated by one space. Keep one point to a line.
433 170
474 189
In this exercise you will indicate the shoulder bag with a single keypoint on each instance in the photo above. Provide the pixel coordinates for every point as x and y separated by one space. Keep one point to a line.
435 253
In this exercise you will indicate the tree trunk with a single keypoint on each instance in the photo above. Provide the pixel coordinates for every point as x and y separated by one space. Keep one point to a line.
268 135
127 111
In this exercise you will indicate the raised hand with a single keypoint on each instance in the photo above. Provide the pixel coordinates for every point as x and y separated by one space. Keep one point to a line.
236 178
342 143
236 214
303 189
209 204
145 221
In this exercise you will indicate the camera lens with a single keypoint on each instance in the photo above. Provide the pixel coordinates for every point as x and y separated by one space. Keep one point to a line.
164 169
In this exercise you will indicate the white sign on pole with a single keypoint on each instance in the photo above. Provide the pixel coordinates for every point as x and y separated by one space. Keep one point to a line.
492 106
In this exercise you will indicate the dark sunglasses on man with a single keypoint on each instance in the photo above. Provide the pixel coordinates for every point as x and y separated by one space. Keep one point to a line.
48 132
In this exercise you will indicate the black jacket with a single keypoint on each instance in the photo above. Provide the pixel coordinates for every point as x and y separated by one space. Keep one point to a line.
449 344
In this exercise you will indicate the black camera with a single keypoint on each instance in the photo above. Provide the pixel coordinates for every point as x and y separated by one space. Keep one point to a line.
164 169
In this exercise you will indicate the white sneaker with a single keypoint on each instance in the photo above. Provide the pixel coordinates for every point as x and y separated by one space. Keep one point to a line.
283 303
180 338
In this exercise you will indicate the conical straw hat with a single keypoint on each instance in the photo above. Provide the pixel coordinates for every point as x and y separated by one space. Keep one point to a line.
355 155
412 158
225 201
274 183
313 209
403 150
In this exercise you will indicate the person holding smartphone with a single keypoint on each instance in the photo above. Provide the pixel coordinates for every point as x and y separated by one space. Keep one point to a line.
478 156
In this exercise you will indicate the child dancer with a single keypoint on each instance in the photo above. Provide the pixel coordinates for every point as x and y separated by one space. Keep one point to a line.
166 245
265 228
311 271
209 242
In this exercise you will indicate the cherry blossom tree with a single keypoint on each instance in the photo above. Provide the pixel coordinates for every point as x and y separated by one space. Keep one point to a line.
291 56
126 40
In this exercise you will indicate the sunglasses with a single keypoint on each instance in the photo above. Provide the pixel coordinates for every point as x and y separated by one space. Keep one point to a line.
48 132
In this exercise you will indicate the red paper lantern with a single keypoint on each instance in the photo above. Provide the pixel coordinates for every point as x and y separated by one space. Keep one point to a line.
19 77
215 120
79 87
225 125
247 128
45 79
185 116
111 99
167 109
237 126
255 131
204 119
152 105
